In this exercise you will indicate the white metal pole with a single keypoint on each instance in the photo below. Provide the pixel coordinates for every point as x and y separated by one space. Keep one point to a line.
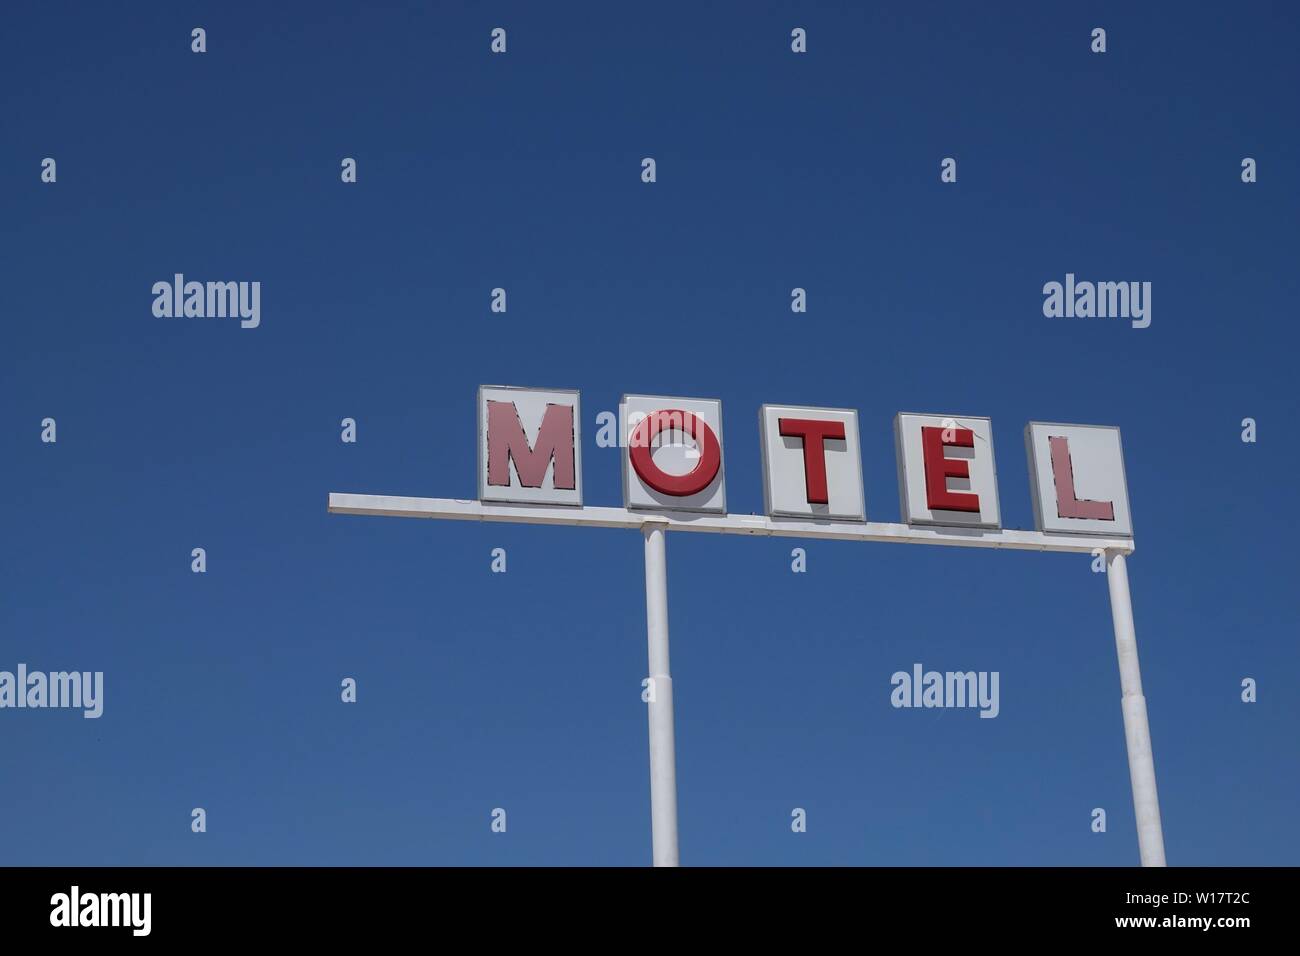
456 509
663 755
1137 733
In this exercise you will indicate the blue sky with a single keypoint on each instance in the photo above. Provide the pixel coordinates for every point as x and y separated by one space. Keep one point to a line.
522 690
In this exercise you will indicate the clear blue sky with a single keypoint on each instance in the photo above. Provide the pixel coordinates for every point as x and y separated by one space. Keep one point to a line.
522 690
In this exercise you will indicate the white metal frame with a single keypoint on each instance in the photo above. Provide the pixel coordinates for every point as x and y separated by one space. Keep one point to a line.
483 487
813 411
625 448
458 509
1032 458
653 525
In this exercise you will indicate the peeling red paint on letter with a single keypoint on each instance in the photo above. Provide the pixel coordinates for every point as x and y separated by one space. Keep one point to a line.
1068 504
506 440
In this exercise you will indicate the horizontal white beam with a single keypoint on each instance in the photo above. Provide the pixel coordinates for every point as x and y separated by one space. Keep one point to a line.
457 509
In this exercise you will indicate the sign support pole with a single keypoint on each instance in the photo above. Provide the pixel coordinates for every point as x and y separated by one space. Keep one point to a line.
663 751
659 700
1137 733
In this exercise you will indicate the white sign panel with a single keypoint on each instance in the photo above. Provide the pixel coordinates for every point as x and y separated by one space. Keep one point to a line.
672 454
946 472
812 462
1076 476
529 445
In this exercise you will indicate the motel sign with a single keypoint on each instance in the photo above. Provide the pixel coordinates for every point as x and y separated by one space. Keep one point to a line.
675 479
530 452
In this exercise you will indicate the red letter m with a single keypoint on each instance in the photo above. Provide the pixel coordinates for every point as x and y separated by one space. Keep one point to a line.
507 441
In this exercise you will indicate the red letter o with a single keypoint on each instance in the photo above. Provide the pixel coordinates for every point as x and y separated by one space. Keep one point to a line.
678 486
